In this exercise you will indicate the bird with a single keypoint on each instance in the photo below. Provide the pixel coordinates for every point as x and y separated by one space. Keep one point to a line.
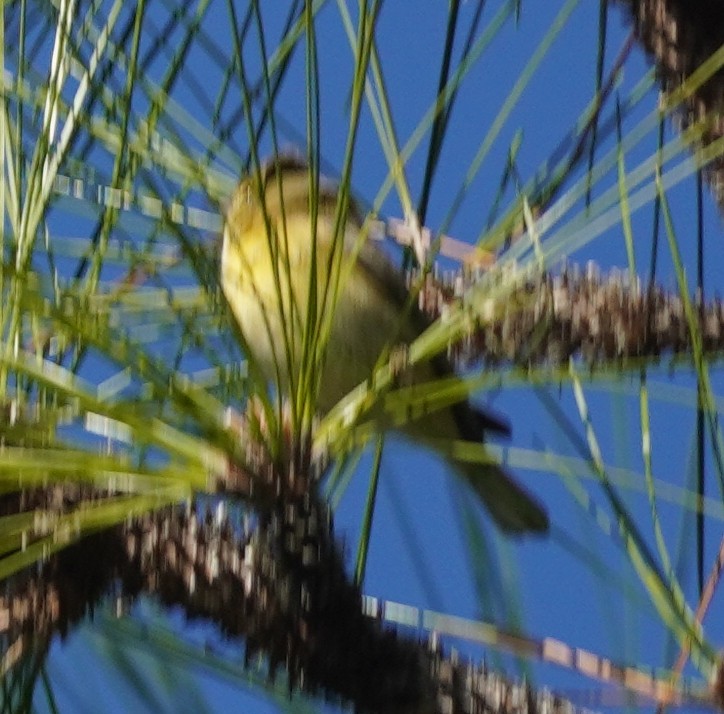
278 252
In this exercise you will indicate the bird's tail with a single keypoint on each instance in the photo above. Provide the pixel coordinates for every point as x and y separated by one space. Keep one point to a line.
511 506
514 509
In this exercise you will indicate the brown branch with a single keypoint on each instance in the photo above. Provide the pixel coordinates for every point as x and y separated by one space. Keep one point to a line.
680 35
581 315
283 589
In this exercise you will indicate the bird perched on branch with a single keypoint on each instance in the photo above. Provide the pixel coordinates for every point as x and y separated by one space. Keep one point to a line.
317 306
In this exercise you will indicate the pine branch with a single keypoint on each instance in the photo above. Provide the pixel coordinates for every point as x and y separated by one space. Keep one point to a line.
680 35
578 315
282 588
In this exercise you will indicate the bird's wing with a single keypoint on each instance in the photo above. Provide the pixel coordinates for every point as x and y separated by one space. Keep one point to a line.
473 423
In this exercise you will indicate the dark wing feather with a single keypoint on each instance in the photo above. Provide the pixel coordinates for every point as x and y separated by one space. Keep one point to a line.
473 423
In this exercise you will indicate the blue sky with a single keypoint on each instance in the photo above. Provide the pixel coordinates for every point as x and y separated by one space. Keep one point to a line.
419 552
